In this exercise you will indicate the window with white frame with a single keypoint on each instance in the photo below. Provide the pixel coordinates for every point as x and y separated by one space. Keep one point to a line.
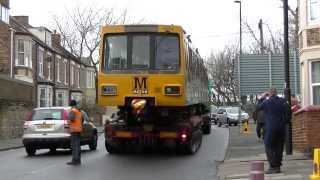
61 98
40 60
314 11
44 96
72 73
58 69
49 61
78 75
23 53
315 82
90 79
65 71
4 14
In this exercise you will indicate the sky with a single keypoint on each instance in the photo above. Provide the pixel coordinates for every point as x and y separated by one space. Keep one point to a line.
212 24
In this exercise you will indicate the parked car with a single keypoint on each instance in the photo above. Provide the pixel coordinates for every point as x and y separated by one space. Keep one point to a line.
48 128
213 114
233 116
221 117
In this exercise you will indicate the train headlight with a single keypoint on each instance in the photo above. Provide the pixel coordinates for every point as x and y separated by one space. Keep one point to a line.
109 90
172 90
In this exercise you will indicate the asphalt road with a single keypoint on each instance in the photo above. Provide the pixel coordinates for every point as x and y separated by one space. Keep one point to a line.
99 165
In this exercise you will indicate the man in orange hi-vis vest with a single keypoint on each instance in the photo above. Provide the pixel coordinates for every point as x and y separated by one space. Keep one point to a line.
75 117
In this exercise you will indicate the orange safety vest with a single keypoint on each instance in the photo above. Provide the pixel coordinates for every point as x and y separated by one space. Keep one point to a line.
76 123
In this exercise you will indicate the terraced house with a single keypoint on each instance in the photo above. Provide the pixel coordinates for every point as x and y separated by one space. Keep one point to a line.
309 42
36 71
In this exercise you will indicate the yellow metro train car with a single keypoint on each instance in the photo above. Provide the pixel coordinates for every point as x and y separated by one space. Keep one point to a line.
150 61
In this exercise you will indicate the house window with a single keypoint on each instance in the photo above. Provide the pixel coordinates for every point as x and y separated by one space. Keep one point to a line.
40 60
65 72
45 96
314 11
315 82
58 69
78 79
49 60
90 79
4 14
61 98
49 70
23 53
72 74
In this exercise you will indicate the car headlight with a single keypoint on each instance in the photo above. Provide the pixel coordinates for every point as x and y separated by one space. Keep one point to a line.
172 90
108 90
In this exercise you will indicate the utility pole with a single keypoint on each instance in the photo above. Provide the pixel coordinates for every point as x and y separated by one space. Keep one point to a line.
261 37
287 93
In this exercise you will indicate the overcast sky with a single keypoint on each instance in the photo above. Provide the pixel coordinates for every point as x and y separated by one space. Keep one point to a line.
212 24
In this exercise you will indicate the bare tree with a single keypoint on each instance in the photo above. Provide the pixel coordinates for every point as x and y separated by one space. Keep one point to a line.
79 29
221 73
274 41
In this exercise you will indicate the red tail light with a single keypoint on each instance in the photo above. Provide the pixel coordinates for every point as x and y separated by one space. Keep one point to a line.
66 119
183 135
26 124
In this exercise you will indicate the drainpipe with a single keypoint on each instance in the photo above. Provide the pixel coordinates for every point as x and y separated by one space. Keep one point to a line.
11 54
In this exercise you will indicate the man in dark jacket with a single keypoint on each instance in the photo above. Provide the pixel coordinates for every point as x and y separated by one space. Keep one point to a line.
258 116
274 109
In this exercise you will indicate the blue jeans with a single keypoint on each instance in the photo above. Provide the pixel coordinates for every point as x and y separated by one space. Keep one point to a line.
76 147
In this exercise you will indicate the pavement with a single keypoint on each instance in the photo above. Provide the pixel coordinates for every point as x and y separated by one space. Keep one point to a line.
15 143
245 148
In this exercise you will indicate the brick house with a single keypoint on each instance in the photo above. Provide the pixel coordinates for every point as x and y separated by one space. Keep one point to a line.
305 122
35 55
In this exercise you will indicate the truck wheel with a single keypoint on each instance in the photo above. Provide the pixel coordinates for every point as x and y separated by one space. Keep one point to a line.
94 142
111 149
31 151
193 145
235 124
206 128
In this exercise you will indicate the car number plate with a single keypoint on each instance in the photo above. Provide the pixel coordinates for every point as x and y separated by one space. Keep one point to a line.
44 126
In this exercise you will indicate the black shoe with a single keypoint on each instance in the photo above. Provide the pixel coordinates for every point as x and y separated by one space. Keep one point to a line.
273 170
73 163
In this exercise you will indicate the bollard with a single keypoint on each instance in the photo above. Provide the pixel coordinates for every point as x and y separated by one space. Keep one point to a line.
316 165
256 170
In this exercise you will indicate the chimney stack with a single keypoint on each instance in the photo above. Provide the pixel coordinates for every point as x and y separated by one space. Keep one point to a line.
5 3
56 38
24 20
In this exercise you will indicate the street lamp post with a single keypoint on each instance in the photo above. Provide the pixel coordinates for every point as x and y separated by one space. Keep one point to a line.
287 78
240 48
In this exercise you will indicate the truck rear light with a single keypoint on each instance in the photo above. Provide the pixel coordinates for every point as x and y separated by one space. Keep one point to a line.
184 137
183 134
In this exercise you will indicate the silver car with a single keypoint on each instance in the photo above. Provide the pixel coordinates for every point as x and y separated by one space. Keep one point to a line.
48 128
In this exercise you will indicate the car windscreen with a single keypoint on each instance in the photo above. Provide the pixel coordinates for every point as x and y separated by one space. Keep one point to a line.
141 52
47 114
233 110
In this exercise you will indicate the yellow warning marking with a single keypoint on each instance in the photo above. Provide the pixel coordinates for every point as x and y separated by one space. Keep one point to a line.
316 165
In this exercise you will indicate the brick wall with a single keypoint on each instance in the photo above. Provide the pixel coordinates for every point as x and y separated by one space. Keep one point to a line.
305 129
12 117
5 44
16 99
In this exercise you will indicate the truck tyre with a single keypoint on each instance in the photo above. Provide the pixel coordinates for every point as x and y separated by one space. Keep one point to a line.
193 145
206 128
31 151
94 142
111 149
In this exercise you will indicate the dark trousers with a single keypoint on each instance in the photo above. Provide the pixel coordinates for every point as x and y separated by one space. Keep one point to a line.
274 144
260 130
76 148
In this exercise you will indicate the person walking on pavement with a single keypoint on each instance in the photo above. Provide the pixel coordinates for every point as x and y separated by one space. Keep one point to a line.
75 117
258 116
275 115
